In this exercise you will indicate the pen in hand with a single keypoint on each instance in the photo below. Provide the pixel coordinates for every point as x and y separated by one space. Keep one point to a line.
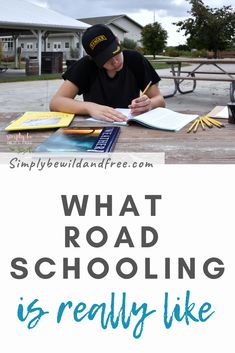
141 104
146 88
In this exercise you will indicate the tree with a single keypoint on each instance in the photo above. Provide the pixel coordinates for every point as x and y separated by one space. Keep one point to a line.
154 38
209 28
128 43
74 53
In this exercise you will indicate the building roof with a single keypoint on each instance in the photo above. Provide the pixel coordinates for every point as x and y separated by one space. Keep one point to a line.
19 17
21 14
108 20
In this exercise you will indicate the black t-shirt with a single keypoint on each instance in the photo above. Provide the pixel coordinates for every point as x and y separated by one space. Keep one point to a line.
117 92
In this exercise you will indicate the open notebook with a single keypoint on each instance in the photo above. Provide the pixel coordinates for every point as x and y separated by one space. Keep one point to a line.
158 118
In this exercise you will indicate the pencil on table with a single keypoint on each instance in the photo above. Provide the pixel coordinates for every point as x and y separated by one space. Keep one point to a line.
192 126
204 119
202 123
146 88
216 122
196 126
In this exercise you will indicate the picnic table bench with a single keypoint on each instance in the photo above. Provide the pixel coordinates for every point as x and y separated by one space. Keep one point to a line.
179 75
3 68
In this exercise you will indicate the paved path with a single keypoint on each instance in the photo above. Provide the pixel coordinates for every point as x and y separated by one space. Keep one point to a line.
35 95
206 95
27 95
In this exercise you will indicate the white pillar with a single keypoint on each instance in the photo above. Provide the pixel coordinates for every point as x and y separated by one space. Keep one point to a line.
80 45
45 37
39 52
15 44
79 35
38 34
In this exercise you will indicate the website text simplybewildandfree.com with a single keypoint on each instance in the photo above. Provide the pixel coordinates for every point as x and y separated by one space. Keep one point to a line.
75 163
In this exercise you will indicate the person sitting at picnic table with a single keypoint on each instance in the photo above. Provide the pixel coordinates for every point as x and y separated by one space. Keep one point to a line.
108 78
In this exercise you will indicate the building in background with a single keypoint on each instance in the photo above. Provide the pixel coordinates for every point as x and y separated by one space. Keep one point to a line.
121 25
68 43
59 42
26 27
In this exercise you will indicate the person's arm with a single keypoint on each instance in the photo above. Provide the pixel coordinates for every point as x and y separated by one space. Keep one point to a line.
150 100
63 101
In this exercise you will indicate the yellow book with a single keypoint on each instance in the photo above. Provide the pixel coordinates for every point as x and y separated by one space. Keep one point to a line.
40 120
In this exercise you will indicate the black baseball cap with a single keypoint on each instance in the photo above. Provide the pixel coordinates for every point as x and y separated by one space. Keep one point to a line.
100 43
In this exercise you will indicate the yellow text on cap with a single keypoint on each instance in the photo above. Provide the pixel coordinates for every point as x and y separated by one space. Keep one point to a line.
96 41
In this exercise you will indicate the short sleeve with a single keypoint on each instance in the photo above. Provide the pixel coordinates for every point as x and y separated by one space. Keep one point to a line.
142 69
81 74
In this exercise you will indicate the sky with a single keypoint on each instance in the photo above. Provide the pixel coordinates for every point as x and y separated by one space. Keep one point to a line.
142 11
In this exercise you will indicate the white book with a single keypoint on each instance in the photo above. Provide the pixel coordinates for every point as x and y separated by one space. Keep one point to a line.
158 118
222 113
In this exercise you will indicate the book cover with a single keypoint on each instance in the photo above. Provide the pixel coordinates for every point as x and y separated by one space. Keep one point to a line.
81 139
40 120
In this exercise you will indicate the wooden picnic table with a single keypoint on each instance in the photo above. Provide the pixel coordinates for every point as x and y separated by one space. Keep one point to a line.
199 72
215 145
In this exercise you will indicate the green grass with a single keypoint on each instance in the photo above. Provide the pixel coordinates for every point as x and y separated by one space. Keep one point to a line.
157 66
11 64
4 77
13 78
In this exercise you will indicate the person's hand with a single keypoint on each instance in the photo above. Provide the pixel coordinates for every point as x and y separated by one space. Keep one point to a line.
103 112
140 105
